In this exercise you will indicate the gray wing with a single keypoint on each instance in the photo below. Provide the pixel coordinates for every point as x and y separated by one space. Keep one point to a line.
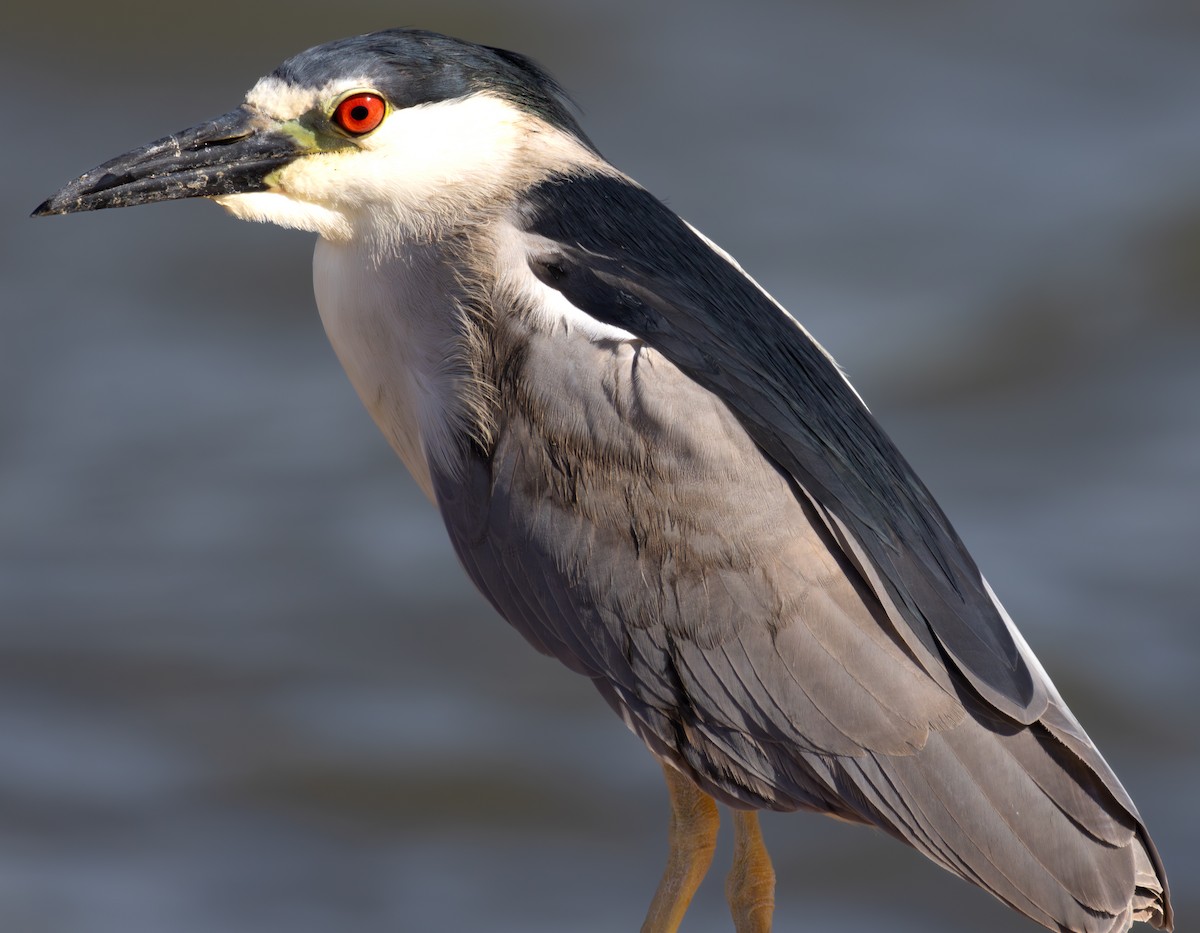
711 526
660 281
628 525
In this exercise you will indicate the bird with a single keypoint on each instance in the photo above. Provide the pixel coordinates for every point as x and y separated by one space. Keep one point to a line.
657 476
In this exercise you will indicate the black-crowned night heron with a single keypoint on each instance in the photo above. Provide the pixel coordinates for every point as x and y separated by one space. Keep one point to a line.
657 476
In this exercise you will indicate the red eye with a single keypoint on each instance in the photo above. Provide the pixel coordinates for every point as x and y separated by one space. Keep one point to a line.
360 113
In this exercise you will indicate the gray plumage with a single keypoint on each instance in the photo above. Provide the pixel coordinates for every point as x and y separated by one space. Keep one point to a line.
656 475
630 519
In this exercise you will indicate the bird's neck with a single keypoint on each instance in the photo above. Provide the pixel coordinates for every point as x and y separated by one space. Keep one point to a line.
404 325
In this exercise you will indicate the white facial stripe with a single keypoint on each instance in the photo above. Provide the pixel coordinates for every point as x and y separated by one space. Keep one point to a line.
283 101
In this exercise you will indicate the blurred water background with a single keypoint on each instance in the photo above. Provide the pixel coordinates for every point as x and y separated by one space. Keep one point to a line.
243 684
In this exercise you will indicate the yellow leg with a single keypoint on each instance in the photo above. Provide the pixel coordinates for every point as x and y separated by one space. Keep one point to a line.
693 837
750 888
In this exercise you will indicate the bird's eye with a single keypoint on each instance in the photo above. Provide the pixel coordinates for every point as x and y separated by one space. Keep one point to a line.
360 113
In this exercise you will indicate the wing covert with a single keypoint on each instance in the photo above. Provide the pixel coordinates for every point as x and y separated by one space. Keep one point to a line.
619 254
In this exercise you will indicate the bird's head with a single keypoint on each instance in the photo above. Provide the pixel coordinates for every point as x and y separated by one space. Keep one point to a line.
403 129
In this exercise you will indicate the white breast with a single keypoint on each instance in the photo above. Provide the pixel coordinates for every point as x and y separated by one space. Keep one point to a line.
396 325
392 325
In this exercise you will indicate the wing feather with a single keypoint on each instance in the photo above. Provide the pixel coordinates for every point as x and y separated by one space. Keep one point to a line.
706 521
618 254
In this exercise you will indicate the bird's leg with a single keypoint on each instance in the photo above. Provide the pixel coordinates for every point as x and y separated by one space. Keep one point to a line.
750 887
693 837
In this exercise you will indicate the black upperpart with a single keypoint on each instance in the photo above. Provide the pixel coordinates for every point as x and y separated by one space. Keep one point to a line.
414 66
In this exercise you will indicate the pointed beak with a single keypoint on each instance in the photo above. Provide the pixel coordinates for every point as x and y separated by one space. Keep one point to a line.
232 154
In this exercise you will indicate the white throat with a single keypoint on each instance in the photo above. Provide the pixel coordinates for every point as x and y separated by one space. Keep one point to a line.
395 326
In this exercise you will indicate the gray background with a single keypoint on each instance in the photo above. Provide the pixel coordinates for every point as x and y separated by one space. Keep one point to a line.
243 684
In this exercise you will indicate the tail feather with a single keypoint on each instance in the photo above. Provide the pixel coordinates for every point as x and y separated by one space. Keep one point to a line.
1013 810
954 809
1073 786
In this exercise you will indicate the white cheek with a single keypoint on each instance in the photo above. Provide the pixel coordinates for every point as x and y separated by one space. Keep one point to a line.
423 168
277 208
439 144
